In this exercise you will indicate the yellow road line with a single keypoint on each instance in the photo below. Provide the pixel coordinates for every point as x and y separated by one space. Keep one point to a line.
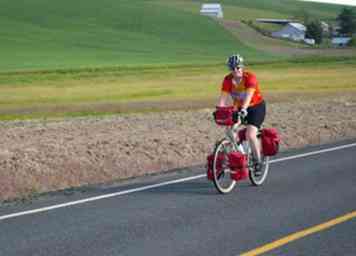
298 235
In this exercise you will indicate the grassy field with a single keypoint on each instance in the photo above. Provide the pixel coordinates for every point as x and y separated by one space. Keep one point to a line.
252 9
76 34
87 92
86 33
84 57
284 9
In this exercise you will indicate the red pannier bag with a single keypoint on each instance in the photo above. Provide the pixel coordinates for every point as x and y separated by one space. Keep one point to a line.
270 141
209 167
238 165
223 115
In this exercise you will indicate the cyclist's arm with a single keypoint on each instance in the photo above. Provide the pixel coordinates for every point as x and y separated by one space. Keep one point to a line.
246 103
223 99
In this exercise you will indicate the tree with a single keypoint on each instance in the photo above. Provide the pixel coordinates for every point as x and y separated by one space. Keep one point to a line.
347 22
302 15
352 42
314 31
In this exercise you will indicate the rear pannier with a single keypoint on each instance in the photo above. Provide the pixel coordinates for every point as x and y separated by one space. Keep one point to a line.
270 141
219 165
238 165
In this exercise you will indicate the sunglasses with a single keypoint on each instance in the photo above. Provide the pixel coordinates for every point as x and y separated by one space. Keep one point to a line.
238 68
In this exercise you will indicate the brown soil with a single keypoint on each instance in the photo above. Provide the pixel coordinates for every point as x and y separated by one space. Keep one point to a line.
40 156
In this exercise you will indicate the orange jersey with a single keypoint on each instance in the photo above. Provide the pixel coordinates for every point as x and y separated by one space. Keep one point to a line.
239 92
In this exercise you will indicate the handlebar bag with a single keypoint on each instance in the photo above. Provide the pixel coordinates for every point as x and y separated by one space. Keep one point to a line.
223 115
270 141
238 166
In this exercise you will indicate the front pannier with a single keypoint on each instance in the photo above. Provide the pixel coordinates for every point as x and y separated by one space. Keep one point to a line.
238 165
270 141
219 165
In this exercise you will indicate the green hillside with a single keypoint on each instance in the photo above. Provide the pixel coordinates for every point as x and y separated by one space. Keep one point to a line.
44 35
280 9
252 9
37 34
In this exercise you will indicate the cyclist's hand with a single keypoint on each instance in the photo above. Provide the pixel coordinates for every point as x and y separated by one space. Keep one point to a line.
243 113
236 116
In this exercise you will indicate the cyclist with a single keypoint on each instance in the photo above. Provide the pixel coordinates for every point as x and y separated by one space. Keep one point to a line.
242 86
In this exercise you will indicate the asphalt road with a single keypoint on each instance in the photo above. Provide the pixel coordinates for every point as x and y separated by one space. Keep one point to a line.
191 218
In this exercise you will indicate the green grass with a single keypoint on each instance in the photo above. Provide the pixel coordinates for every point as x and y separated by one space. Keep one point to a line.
252 9
88 33
285 8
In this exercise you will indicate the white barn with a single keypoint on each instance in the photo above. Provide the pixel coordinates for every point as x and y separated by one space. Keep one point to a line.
294 31
213 10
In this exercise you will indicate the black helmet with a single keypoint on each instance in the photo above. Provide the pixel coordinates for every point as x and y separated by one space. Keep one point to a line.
234 61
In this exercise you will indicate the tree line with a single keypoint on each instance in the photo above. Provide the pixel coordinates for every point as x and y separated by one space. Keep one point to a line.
347 26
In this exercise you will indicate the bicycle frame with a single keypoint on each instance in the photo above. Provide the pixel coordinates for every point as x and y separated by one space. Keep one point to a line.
231 133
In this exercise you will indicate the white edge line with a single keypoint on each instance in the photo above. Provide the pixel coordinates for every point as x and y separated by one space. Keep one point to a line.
313 153
125 192
100 197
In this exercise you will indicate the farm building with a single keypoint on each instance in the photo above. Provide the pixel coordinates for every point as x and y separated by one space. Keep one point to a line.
309 41
340 41
213 10
294 31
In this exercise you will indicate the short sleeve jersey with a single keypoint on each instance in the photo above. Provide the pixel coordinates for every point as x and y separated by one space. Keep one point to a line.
239 92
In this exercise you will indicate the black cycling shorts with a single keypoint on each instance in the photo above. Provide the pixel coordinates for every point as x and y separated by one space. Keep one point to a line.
256 114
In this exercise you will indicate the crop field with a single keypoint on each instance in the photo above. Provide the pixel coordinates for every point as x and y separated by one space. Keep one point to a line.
85 57
108 91
81 34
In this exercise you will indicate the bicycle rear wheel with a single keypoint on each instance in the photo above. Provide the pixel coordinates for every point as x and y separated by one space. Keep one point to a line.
221 171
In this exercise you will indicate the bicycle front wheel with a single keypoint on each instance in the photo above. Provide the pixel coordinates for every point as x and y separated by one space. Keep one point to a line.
258 177
221 171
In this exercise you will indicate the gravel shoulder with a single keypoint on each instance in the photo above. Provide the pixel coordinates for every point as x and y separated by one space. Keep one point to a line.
43 156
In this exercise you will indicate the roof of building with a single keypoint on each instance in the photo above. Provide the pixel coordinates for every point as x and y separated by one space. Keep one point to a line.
275 21
211 6
298 26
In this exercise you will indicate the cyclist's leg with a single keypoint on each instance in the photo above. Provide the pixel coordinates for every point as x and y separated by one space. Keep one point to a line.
251 136
255 118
